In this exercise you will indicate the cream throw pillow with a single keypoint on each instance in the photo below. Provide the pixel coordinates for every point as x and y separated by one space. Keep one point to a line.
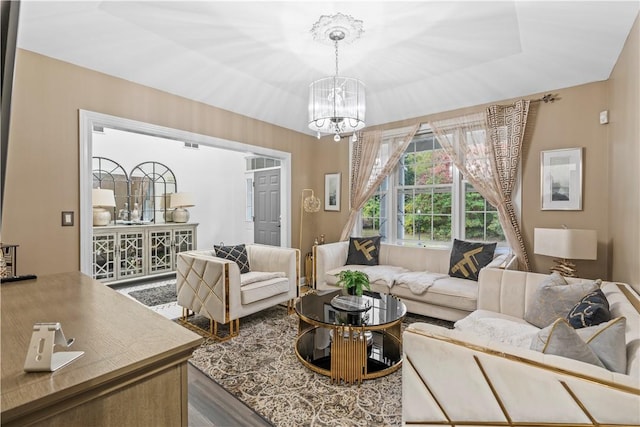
554 298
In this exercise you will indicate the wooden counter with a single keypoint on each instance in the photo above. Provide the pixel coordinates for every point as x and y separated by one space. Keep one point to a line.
133 372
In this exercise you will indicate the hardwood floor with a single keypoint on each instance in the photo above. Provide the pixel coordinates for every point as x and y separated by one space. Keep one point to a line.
212 405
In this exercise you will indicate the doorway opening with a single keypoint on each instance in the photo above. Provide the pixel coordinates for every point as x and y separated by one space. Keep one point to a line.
90 121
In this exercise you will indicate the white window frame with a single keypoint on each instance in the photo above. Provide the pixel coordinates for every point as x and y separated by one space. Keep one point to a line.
457 208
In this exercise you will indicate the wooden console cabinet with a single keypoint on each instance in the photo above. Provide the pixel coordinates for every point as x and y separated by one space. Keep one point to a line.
133 371
122 252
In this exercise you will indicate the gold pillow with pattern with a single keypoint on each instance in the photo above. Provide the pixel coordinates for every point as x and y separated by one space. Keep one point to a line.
467 258
363 251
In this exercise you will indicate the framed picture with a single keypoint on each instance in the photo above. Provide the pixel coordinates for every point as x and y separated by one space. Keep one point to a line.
332 192
561 179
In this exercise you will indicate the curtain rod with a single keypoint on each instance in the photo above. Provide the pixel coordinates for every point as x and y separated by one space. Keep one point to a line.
549 97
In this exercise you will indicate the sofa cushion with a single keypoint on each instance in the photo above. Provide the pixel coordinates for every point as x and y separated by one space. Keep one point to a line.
562 340
452 292
591 310
554 298
259 276
237 253
264 289
363 251
607 340
378 274
467 258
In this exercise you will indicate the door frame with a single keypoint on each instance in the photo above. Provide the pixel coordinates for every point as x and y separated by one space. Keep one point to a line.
89 119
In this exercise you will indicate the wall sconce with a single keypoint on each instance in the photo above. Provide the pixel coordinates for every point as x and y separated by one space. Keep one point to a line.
566 244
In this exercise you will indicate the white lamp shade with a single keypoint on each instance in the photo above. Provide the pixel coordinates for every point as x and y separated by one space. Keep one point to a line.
182 200
566 243
102 197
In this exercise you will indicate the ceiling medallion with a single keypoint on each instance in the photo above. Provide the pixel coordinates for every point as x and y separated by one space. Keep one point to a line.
351 28
336 104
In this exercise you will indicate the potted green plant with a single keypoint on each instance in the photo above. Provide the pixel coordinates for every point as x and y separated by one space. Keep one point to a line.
353 281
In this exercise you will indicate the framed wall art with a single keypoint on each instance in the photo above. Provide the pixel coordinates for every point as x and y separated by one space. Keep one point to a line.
332 192
561 179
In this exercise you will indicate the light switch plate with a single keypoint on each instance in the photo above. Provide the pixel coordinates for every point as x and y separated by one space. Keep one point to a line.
604 117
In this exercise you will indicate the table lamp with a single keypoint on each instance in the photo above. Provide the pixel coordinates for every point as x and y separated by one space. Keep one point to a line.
180 201
101 198
566 244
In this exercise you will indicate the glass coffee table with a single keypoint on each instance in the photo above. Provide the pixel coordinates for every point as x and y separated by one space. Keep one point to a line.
348 338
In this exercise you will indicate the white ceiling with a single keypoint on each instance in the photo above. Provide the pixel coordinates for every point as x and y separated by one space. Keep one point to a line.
258 58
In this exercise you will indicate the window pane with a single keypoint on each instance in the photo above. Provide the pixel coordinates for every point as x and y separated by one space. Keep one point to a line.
474 226
374 217
494 229
442 201
441 228
480 219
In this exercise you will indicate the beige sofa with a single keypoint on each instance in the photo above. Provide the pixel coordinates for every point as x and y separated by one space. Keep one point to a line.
419 276
454 377
214 288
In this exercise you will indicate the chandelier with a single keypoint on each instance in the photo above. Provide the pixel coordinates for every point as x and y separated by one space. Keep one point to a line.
336 104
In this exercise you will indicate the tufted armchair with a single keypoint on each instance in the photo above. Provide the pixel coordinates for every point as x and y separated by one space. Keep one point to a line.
214 287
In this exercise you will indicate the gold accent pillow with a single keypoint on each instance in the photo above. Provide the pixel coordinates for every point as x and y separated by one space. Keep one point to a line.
467 258
363 251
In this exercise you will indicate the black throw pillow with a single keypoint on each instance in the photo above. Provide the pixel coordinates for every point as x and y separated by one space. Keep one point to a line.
592 310
237 253
363 250
467 258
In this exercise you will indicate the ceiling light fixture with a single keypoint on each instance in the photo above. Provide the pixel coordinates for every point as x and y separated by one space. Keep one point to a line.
336 104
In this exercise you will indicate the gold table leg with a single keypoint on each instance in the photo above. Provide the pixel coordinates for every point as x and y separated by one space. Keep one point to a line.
348 354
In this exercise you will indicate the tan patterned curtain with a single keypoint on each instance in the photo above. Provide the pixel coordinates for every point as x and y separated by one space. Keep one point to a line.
371 162
487 147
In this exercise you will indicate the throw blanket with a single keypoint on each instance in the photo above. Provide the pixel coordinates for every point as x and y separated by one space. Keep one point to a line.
516 333
418 281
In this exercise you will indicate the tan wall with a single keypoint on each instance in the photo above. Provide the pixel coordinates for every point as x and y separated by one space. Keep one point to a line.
624 161
43 158
571 121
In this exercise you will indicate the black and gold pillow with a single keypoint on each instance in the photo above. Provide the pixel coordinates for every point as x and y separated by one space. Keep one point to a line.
363 250
467 258
592 310
237 253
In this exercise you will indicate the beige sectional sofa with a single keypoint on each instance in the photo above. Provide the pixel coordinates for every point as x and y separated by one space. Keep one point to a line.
417 275
487 374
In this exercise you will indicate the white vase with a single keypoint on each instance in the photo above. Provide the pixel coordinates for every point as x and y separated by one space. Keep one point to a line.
101 217
180 215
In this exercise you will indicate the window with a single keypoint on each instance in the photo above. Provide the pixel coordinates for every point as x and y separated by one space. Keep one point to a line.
429 202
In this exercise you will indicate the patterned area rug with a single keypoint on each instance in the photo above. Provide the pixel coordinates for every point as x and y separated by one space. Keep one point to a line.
156 296
260 368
